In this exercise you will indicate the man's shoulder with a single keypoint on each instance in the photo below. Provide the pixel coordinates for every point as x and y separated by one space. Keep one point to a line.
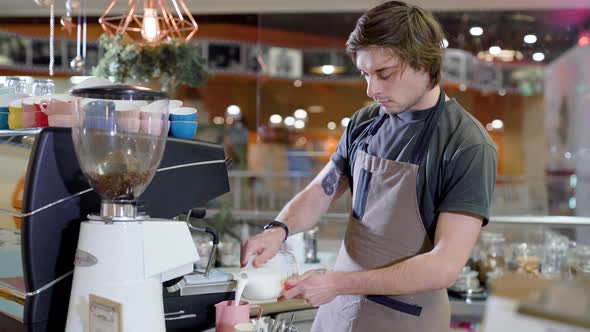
366 113
362 118
464 130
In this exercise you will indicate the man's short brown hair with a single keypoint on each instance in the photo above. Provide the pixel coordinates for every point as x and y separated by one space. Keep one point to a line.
412 33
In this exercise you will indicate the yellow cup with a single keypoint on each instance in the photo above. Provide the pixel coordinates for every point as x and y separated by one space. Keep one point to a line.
15 120
15 107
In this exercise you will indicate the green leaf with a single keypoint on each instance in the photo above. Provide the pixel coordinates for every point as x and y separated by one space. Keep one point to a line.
170 63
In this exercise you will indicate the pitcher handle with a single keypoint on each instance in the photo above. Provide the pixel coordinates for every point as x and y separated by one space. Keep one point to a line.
256 306
44 104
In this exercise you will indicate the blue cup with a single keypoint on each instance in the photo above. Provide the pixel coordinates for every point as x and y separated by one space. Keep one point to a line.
99 114
99 109
4 118
183 114
183 129
99 123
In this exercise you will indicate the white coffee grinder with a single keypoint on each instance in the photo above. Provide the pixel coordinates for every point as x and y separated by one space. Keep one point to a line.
123 257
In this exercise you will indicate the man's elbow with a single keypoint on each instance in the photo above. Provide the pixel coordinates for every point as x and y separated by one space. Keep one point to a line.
448 276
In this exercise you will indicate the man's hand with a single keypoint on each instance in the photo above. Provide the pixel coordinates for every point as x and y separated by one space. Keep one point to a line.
315 286
264 245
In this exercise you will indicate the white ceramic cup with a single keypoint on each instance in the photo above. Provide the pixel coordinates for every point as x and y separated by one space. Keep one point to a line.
244 327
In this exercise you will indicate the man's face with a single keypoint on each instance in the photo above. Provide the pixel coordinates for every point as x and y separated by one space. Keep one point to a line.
395 91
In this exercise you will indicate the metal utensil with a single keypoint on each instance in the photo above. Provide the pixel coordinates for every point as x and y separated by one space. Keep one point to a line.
276 325
257 324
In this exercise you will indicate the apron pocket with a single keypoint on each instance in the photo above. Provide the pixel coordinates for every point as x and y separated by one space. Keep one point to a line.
362 191
394 304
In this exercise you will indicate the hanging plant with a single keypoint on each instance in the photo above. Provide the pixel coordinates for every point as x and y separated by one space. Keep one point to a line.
170 63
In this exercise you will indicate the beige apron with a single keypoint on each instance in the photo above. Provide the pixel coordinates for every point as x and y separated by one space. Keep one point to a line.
385 227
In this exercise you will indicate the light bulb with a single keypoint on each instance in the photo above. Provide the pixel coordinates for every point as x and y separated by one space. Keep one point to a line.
345 121
276 119
300 114
328 69
150 28
495 50
233 110
497 124
530 39
539 56
476 31
289 121
299 124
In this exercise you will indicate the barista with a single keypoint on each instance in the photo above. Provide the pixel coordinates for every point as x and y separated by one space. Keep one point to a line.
421 171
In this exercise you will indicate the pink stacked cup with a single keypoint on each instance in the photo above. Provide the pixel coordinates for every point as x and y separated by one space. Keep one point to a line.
127 115
60 111
34 112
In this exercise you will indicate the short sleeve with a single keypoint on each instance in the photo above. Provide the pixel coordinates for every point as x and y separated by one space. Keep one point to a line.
355 131
340 156
469 181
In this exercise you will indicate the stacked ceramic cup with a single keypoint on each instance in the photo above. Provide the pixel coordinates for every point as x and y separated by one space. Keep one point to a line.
4 106
33 112
9 103
183 122
15 118
60 111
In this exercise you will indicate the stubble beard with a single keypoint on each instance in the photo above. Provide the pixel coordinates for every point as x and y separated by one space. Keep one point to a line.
404 108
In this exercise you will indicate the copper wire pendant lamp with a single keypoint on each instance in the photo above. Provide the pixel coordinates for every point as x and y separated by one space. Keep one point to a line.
151 21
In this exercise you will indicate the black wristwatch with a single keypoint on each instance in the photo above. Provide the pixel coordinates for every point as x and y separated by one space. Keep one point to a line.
276 223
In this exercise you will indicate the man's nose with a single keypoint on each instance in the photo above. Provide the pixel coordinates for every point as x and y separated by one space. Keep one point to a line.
373 88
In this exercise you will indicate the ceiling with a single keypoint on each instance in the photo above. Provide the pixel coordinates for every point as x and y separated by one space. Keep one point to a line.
557 24
556 30
96 7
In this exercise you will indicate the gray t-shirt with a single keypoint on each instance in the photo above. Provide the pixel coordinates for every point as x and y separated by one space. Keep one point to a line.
458 172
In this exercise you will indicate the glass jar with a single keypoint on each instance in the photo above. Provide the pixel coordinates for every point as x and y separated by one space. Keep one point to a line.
526 258
581 260
555 254
19 84
491 255
43 88
266 282
491 276
467 281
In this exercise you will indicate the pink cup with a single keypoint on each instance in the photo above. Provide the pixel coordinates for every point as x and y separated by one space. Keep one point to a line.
60 120
60 105
127 114
227 315
40 120
29 105
153 127
127 120
41 105
28 119
34 120
129 125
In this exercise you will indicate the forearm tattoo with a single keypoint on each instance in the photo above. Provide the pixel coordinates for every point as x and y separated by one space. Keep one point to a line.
331 181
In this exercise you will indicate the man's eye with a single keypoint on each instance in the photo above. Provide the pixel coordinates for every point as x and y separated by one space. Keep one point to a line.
386 76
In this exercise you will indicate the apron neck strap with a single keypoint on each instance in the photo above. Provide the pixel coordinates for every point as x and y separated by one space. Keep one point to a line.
373 128
427 131
425 134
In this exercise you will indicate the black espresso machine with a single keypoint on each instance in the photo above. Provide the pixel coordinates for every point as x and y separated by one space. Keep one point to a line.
46 196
